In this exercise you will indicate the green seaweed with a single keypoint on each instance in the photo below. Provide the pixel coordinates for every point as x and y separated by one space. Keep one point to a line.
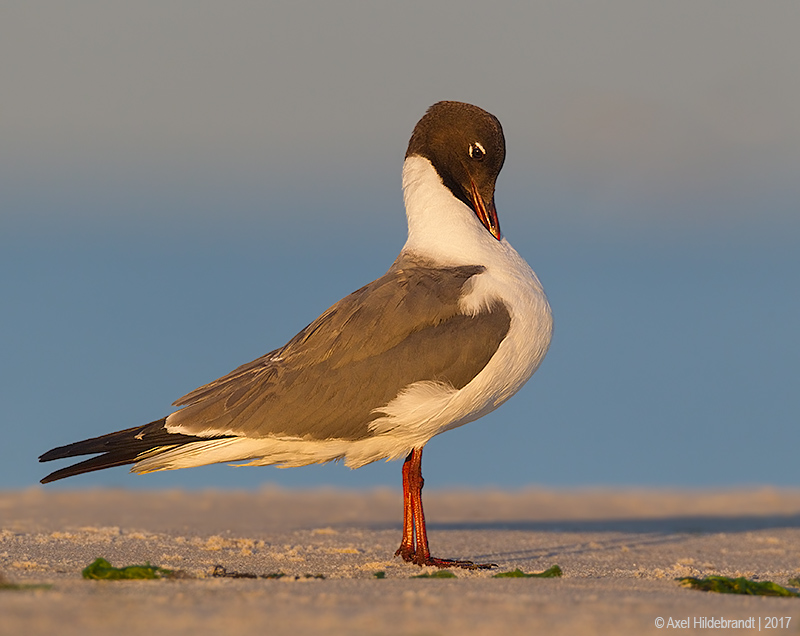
25 586
740 585
379 575
5 584
549 573
222 573
795 581
440 574
101 569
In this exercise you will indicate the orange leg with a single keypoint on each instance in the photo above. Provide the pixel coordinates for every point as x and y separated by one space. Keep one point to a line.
414 545
406 549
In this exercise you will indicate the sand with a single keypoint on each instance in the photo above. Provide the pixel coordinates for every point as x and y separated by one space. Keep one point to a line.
620 552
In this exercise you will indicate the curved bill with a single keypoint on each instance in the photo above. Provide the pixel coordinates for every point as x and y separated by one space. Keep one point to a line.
486 213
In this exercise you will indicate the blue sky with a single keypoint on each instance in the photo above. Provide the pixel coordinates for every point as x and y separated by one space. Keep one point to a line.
184 186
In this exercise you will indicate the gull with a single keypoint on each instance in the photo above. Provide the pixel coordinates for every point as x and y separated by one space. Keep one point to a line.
454 328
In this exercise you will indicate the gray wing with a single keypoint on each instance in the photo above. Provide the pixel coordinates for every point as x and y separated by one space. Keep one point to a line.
357 356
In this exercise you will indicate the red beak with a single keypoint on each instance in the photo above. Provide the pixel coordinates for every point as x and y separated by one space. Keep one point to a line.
486 213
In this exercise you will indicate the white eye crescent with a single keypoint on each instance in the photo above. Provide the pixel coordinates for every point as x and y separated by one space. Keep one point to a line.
477 151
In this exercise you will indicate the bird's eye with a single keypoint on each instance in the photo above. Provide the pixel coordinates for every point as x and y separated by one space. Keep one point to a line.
477 151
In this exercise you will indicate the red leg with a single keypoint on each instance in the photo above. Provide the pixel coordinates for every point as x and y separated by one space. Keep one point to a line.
406 549
414 545
421 552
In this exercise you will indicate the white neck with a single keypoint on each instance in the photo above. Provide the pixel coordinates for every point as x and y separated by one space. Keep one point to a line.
440 227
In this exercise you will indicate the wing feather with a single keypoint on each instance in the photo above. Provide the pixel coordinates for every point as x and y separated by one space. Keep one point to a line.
327 381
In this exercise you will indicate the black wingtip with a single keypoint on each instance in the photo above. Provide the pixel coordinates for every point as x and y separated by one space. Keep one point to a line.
116 449
103 443
54 476
108 460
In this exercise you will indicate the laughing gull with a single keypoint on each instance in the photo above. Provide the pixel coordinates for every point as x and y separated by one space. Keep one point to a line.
455 327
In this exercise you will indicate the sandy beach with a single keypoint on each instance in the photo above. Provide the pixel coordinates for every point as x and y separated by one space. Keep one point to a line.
620 552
